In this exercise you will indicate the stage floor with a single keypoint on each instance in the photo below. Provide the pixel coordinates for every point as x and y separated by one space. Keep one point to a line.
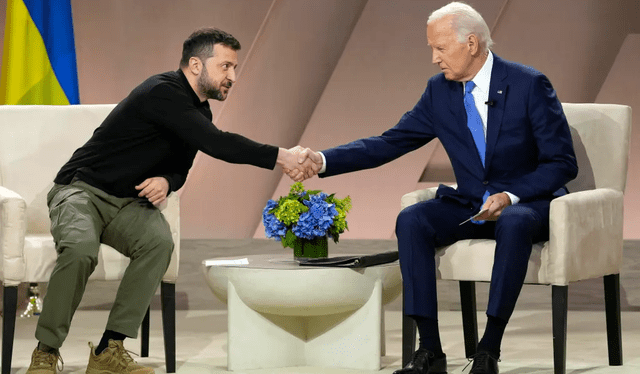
202 321
202 344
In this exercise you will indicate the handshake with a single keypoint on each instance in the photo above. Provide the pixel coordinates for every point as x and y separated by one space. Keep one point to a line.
299 163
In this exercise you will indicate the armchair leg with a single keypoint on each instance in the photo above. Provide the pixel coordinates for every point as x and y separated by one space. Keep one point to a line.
168 296
144 335
9 305
469 317
612 310
559 297
408 336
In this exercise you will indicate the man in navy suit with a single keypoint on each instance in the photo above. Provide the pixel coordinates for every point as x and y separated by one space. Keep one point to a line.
510 147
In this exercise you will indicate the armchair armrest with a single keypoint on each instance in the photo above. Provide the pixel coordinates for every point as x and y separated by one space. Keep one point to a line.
171 211
420 195
585 235
13 227
417 196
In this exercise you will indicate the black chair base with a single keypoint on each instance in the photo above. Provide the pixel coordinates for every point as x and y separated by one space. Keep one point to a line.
9 305
168 296
168 306
559 299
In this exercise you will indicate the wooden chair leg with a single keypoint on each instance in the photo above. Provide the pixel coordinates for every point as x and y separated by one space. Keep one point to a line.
559 297
408 336
144 335
168 296
469 317
612 310
9 305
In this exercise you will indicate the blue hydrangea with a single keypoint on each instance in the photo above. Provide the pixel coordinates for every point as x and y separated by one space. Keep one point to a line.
272 227
317 220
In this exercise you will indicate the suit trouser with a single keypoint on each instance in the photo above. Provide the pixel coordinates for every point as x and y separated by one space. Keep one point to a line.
423 227
82 217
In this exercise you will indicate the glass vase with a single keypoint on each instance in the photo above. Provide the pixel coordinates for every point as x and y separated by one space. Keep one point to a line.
311 248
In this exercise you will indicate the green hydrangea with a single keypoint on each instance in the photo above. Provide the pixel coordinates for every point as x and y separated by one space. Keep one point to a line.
289 210
342 206
340 222
296 188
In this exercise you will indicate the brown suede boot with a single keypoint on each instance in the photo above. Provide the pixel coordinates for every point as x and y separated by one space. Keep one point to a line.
44 362
114 360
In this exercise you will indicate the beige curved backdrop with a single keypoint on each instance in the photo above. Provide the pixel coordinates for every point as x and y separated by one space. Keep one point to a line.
324 72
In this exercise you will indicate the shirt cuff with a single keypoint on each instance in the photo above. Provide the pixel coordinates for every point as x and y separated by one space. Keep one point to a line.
324 164
514 199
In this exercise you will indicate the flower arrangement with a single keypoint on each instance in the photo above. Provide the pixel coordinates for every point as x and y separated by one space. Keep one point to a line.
306 218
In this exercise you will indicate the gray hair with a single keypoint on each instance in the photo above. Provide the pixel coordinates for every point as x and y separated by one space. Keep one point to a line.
466 21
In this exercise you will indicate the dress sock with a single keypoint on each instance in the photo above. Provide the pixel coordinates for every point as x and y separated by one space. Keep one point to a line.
45 348
429 335
492 338
108 335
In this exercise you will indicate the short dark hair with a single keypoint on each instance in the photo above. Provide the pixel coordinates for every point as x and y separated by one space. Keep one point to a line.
200 44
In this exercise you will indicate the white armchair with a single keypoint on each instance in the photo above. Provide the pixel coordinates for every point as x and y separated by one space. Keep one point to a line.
35 141
585 234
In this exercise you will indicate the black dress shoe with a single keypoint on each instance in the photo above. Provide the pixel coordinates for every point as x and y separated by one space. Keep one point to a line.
484 363
425 362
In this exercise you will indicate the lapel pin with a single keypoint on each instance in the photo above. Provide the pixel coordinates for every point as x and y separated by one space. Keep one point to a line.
500 92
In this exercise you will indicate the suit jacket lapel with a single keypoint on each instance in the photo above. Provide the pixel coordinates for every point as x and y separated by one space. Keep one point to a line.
497 96
456 98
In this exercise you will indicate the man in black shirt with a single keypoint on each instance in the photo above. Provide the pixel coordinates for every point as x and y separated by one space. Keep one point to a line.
109 189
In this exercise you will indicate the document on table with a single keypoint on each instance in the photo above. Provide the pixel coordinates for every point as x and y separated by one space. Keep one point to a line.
234 262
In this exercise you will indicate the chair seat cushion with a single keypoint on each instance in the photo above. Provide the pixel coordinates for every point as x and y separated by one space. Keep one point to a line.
40 254
472 260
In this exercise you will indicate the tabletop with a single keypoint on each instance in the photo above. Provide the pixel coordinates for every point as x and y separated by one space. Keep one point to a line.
270 261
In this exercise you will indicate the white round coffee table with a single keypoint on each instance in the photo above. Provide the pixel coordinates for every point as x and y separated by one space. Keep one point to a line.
281 314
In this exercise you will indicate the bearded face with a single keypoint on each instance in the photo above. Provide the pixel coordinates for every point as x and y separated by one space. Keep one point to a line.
210 88
218 73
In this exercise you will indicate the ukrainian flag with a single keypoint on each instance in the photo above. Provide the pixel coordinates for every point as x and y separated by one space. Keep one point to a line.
39 56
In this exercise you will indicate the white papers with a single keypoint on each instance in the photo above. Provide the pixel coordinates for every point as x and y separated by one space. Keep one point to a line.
235 262
474 216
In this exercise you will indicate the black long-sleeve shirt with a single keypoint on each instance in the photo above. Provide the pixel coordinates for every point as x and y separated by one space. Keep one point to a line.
157 131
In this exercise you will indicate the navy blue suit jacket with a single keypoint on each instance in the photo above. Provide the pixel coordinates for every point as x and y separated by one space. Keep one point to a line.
529 149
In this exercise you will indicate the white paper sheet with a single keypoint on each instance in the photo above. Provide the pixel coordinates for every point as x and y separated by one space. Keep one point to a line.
234 262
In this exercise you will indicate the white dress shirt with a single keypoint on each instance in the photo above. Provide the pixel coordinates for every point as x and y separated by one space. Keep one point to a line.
481 91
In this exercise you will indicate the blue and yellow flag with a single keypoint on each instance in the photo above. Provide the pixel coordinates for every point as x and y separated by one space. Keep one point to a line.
39 56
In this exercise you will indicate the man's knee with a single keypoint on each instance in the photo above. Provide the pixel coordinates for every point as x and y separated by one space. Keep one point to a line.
519 220
79 254
407 220
411 222
159 251
166 244
161 244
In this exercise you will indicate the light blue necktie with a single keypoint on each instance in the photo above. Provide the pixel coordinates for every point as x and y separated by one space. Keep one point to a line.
474 122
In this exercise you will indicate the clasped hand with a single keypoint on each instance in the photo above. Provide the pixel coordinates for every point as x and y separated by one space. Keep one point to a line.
299 163
494 205
154 189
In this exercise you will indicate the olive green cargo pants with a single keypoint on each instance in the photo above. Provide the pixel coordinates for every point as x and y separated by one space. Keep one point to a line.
82 217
